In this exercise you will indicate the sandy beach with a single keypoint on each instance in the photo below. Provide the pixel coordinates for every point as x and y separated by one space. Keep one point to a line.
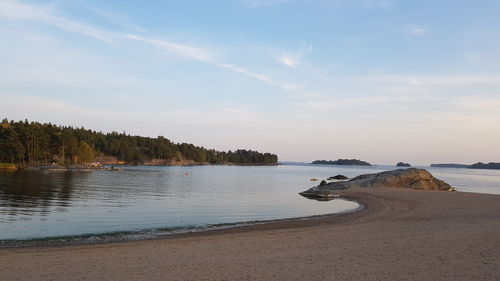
401 234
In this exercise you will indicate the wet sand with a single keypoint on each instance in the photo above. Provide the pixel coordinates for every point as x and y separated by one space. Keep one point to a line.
400 235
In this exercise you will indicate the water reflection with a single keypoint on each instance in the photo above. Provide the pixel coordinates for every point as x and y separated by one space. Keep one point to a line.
54 203
24 192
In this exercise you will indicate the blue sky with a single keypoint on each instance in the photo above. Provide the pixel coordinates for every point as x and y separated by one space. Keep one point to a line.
379 80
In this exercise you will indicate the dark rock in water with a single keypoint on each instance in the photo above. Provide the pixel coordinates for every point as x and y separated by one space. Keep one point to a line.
338 177
320 195
322 183
401 164
402 178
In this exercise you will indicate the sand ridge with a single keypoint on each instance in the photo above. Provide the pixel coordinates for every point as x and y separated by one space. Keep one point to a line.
400 235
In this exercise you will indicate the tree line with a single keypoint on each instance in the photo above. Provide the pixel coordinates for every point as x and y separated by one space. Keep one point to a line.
30 143
478 165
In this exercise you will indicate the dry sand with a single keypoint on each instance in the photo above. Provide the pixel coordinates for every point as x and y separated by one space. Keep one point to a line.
400 235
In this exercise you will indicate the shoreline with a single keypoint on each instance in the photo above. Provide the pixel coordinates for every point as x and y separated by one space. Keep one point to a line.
115 167
155 234
400 234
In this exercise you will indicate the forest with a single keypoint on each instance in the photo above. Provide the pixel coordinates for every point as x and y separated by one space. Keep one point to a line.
31 143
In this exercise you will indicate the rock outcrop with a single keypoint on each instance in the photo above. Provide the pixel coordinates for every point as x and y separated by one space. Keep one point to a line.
402 164
402 178
338 177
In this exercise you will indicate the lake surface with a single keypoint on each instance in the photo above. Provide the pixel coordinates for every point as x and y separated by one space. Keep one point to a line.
146 202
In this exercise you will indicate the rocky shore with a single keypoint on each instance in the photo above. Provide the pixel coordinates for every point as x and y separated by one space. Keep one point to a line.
412 178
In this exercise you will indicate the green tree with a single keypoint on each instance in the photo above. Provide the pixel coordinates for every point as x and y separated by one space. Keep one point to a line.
85 153
11 148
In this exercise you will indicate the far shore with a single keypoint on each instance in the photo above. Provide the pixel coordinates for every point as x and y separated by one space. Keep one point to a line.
60 167
401 234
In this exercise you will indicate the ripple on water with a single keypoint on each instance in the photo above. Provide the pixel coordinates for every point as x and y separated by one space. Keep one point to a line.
37 205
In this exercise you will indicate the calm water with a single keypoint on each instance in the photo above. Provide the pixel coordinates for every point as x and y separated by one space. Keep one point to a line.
39 204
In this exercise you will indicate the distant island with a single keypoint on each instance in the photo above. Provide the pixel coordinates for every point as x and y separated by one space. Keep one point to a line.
27 143
345 162
402 164
478 165
449 165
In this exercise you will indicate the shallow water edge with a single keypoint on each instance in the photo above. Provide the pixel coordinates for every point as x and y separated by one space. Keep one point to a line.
151 234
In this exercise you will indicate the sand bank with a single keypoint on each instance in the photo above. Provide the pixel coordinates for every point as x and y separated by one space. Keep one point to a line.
400 235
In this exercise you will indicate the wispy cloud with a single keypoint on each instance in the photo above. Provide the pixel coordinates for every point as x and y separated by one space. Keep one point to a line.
182 50
206 56
15 10
289 60
415 30
261 77
116 19
20 11
293 59
351 104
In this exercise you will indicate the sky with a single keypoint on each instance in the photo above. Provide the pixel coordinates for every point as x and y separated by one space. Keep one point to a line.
378 80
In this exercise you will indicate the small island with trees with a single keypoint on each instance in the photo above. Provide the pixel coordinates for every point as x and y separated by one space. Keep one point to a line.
343 162
28 144
478 165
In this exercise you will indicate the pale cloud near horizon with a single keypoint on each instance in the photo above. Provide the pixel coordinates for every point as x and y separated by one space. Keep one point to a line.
403 94
466 118
182 125
473 79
